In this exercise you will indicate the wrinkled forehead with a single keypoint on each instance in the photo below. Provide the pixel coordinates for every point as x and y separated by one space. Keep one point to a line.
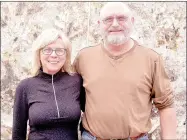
114 8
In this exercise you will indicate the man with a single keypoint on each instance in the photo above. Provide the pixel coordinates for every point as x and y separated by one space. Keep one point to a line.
121 79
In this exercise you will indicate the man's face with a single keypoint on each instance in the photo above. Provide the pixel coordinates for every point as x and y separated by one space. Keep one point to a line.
116 24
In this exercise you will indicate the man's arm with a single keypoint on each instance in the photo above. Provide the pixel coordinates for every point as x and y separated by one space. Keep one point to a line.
163 99
168 123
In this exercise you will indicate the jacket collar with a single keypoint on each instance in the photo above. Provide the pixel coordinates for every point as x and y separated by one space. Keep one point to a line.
56 76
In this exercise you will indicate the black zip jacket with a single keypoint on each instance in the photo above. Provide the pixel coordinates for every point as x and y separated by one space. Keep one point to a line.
51 104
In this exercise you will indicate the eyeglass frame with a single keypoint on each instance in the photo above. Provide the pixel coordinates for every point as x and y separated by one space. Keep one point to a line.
116 18
54 50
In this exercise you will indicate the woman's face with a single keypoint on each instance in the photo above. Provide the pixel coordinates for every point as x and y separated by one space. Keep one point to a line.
53 57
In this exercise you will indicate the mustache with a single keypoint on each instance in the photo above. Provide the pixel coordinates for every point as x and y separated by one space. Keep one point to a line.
115 30
119 30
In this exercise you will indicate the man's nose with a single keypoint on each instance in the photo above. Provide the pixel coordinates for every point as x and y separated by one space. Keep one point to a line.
115 23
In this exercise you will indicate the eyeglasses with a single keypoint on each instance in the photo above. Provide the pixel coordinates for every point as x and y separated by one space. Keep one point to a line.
58 51
120 19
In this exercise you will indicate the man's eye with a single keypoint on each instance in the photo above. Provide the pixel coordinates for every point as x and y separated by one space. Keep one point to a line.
109 19
121 18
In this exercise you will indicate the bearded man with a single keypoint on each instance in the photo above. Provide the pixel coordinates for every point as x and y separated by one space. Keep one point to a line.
123 80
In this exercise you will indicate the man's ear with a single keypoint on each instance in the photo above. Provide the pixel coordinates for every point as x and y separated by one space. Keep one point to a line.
98 22
132 20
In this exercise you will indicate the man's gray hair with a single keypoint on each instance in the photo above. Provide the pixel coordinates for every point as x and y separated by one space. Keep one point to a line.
109 4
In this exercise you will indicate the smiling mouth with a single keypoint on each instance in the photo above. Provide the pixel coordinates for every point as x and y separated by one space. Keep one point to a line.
53 62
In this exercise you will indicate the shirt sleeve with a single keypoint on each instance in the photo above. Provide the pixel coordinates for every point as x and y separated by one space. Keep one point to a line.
20 113
162 92
76 64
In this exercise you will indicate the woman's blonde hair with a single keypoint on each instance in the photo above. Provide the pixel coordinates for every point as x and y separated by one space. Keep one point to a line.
45 38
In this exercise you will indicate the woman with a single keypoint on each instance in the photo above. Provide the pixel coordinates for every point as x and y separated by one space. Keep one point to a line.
50 100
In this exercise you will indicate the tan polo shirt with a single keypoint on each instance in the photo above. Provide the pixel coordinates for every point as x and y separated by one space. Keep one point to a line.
119 91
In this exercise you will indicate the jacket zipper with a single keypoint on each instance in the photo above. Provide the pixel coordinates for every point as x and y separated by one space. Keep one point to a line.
55 98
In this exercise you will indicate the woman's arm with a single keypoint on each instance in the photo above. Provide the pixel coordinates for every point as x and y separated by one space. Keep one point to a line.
20 113
82 97
82 103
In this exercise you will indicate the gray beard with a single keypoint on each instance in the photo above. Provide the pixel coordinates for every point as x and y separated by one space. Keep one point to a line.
118 40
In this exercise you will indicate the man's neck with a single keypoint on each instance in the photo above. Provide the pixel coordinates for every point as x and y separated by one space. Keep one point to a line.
119 49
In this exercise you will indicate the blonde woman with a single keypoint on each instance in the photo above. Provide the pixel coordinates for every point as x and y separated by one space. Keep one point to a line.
51 99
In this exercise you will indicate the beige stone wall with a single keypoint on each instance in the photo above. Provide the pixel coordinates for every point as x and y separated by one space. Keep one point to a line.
158 25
